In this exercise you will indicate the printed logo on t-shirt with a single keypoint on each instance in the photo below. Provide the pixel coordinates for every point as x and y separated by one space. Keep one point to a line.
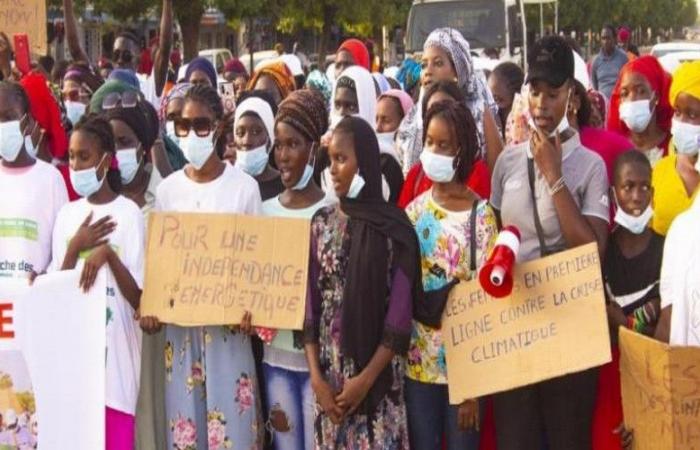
15 227
11 269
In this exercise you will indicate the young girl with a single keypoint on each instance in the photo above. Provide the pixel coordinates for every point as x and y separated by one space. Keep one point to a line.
392 107
631 269
456 232
211 397
363 276
301 121
105 228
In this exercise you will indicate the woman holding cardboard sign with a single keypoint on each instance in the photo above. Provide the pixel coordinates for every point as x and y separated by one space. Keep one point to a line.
364 271
210 386
556 192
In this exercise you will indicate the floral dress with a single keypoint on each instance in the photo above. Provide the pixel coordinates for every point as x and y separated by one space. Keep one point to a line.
386 428
199 389
444 242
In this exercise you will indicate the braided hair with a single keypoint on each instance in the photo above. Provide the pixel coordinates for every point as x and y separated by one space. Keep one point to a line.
445 86
98 126
459 118
209 97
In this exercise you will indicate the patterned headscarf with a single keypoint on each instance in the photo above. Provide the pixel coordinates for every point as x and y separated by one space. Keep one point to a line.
305 110
409 74
178 91
318 81
281 75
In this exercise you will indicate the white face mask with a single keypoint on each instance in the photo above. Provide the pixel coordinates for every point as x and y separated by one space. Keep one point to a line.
356 186
128 164
197 149
170 132
335 120
253 161
74 111
439 168
308 173
635 224
85 182
636 114
386 142
11 140
686 137
29 146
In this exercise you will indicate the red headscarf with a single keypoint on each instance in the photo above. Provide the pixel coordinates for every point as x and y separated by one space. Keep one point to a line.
358 50
647 66
45 111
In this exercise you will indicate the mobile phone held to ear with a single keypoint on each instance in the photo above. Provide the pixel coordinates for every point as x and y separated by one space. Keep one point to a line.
22 58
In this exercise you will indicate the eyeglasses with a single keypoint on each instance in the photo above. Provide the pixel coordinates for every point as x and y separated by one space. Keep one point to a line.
127 99
123 55
202 126
75 95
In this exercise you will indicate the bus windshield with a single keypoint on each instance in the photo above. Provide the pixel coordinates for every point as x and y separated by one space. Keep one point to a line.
481 22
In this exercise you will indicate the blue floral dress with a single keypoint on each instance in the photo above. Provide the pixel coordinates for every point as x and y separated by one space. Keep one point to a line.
386 428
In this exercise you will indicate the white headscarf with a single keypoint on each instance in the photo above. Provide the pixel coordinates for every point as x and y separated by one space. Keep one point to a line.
260 108
365 91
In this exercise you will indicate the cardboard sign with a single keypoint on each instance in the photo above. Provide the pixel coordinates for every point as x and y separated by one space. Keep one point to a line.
660 393
553 323
208 269
25 16
17 403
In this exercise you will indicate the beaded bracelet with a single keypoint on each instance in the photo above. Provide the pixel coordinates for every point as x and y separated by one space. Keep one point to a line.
557 186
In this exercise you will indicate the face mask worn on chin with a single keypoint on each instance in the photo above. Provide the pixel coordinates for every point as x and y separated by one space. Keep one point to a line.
170 132
636 114
11 140
74 111
128 164
686 137
439 168
386 142
253 162
85 182
356 186
635 224
308 173
197 149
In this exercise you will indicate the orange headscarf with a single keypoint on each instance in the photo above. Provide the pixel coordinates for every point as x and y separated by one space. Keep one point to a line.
647 66
280 73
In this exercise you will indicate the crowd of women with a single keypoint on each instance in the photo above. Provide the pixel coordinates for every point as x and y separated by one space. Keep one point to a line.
405 199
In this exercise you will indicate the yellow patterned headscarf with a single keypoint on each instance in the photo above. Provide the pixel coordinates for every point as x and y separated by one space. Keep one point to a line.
686 79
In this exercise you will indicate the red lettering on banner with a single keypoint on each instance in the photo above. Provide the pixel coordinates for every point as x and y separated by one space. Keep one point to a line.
6 321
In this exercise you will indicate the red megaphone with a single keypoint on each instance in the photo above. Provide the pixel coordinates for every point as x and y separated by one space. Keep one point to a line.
496 277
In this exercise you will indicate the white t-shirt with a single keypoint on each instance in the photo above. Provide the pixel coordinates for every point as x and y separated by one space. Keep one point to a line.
148 89
233 192
680 277
123 332
31 199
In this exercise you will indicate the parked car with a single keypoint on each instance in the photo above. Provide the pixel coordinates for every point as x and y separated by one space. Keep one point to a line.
671 61
665 48
218 57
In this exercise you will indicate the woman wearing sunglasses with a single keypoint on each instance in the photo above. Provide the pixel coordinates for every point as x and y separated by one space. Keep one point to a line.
226 397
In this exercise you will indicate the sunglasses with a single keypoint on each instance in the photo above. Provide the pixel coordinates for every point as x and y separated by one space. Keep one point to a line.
127 99
123 55
202 126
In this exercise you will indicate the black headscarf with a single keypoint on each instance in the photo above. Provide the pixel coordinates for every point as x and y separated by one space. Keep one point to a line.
373 223
142 119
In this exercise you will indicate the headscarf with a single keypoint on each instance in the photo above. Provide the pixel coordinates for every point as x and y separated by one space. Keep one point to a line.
261 109
236 66
83 74
358 50
382 82
372 223
364 89
409 74
142 119
305 110
685 79
598 100
125 76
205 66
178 91
470 80
623 34
318 81
404 99
647 66
281 75
110 87
44 108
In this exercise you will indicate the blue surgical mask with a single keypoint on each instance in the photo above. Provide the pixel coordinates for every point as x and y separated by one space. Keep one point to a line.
128 164
635 224
686 137
308 173
439 168
85 182
170 132
29 146
11 140
197 149
356 186
253 161
74 111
